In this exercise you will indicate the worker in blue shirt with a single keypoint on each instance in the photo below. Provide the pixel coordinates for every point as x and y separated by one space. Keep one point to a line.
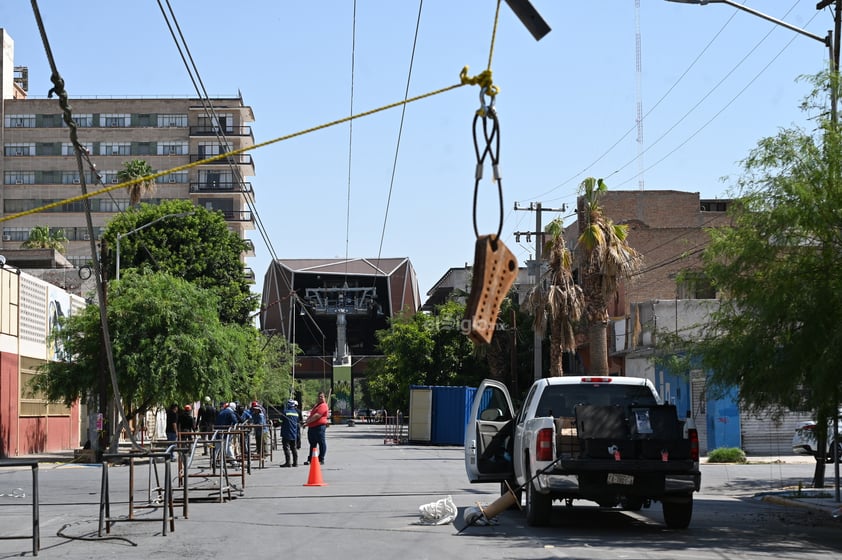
290 432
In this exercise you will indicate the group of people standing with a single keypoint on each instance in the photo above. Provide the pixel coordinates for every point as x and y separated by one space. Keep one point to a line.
208 419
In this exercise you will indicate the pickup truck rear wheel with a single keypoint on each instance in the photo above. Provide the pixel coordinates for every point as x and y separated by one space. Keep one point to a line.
539 507
677 513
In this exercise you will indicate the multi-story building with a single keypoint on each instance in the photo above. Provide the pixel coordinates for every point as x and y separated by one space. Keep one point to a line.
38 165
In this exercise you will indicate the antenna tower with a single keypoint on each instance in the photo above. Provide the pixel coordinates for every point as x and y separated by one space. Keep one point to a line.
638 93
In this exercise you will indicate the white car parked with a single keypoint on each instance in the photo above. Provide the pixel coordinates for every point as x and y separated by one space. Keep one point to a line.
804 440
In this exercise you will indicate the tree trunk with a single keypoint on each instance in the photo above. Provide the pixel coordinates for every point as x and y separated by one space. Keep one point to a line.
598 347
556 349
821 443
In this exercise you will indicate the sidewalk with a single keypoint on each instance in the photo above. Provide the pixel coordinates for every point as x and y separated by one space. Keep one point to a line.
819 500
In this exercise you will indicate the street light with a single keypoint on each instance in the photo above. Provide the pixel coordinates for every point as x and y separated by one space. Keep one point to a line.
144 226
827 40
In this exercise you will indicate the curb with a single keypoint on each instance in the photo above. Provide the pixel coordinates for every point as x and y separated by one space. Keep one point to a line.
829 509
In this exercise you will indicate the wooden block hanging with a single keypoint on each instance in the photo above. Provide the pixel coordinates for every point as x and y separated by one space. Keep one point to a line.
495 270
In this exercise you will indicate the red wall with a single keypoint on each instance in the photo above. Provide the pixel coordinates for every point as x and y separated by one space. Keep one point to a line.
24 436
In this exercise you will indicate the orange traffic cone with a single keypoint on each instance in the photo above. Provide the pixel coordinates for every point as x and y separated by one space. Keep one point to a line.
315 478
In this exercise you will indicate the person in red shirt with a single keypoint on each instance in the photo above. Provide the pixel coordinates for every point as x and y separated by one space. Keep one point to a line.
316 425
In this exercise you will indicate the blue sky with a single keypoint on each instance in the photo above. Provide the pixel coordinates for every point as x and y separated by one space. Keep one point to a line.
713 81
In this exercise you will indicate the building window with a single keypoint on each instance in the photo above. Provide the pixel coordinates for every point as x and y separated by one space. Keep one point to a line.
167 121
695 285
68 150
115 149
172 148
115 120
221 122
51 121
208 149
112 205
12 150
19 121
176 177
19 177
15 233
109 177
69 178
83 121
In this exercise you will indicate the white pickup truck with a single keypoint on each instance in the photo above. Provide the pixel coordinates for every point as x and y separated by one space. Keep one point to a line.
610 440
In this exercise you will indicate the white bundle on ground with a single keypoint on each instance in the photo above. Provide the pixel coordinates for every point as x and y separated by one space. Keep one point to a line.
439 512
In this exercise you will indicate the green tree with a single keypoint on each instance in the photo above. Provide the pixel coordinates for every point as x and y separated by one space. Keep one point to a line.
606 260
776 336
190 242
168 346
422 349
133 170
44 237
562 302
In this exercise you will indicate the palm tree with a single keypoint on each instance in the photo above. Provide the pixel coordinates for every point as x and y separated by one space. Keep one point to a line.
42 237
606 260
133 170
563 301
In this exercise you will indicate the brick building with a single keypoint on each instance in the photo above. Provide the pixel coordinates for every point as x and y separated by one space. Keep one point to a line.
669 229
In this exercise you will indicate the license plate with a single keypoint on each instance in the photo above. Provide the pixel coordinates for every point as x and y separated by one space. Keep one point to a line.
624 479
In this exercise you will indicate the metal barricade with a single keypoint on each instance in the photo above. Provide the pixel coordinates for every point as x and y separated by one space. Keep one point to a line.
164 495
36 521
395 433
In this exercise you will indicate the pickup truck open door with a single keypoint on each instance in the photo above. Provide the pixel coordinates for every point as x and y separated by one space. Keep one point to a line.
488 435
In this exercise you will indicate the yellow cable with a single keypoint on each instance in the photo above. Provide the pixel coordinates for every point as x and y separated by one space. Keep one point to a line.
483 79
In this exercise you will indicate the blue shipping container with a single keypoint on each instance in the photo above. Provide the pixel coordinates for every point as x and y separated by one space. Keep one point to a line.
451 409
449 413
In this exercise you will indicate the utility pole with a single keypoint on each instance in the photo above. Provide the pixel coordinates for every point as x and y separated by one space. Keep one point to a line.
536 269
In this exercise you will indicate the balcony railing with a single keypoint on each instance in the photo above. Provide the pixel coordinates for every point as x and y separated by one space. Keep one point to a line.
216 130
239 159
211 187
236 215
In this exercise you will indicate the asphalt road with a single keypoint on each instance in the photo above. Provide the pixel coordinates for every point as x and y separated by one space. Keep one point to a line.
369 507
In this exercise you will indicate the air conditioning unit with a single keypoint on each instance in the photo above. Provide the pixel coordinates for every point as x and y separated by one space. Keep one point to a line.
7 237
86 237
19 153
19 182
113 180
77 181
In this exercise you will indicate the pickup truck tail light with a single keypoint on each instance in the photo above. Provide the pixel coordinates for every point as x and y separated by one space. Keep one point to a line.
544 445
693 436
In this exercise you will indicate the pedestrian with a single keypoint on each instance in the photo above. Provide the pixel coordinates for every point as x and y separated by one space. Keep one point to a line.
316 425
172 423
226 419
206 419
290 432
186 422
258 419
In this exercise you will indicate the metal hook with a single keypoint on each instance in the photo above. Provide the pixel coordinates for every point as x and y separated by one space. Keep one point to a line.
484 108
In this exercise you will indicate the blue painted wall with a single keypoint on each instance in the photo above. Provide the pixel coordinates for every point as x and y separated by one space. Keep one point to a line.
723 421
